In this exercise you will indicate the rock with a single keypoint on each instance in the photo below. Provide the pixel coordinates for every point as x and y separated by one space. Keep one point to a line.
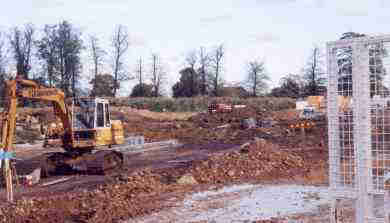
187 179
267 123
248 123
34 177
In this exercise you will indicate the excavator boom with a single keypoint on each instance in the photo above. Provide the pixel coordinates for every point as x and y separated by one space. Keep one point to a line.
19 88
83 131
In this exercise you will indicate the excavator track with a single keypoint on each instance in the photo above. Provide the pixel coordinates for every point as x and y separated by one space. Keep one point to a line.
100 163
103 161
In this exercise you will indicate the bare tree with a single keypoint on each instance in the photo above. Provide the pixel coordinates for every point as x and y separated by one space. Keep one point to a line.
217 57
192 59
120 44
22 43
60 47
204 61
2 55
140 70
47 51
3 58
191 73
141 87
257 77
97 54
69 49
158 75
314 71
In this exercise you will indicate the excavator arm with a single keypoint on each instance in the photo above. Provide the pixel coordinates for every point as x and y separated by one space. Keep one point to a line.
26 89
77 155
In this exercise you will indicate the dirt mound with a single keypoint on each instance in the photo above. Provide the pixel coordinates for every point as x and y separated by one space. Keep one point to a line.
207 120
156 116
272 154
285 115
257 161
144 192
111 203
205 127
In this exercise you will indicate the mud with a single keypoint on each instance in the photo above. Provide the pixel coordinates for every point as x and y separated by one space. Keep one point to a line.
213 155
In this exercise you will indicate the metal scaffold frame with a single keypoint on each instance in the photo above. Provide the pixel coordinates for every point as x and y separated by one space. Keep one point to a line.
359 126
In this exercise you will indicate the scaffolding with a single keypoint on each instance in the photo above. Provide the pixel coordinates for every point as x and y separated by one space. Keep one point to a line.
359 125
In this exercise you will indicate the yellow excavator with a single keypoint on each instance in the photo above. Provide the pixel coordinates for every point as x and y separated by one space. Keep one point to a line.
89 135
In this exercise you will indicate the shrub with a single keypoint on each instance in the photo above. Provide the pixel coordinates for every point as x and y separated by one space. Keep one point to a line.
196 104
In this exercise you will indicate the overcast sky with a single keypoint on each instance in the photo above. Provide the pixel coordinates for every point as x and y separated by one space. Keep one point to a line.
281 32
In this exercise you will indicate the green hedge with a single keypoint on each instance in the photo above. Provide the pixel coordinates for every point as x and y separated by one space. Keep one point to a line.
196 104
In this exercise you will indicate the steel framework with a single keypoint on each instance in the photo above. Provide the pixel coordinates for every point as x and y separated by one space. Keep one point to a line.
359 125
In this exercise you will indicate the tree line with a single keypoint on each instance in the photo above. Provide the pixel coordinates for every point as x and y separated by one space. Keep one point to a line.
55 52
52 56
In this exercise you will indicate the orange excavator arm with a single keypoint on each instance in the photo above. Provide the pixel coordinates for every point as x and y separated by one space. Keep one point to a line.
27 89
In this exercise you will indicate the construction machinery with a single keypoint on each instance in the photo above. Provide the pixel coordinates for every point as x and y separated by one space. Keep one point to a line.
88 137
223 108
309 117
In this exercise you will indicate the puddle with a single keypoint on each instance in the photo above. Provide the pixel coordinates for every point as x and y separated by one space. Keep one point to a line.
245 203
259 202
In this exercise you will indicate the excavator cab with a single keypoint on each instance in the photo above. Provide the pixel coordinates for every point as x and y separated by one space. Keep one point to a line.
92 125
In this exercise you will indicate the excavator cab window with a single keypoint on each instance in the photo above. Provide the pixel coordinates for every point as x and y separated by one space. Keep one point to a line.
106 109
83 113
100 115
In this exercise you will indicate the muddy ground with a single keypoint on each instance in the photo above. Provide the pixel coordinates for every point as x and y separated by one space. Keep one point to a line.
216 151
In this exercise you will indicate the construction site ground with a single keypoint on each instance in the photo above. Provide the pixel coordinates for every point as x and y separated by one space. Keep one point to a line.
218 165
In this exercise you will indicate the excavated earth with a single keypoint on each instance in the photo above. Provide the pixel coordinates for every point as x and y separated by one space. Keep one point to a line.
216 151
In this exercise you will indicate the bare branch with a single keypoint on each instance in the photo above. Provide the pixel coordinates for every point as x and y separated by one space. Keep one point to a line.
192 59
204 61
22 42
217 57
97 54
314 70
60 47
2 54
120 44
257 78
140 75
158 75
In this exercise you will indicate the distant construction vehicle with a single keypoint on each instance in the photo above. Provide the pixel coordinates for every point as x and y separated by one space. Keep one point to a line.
311 113
223 108
89 135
